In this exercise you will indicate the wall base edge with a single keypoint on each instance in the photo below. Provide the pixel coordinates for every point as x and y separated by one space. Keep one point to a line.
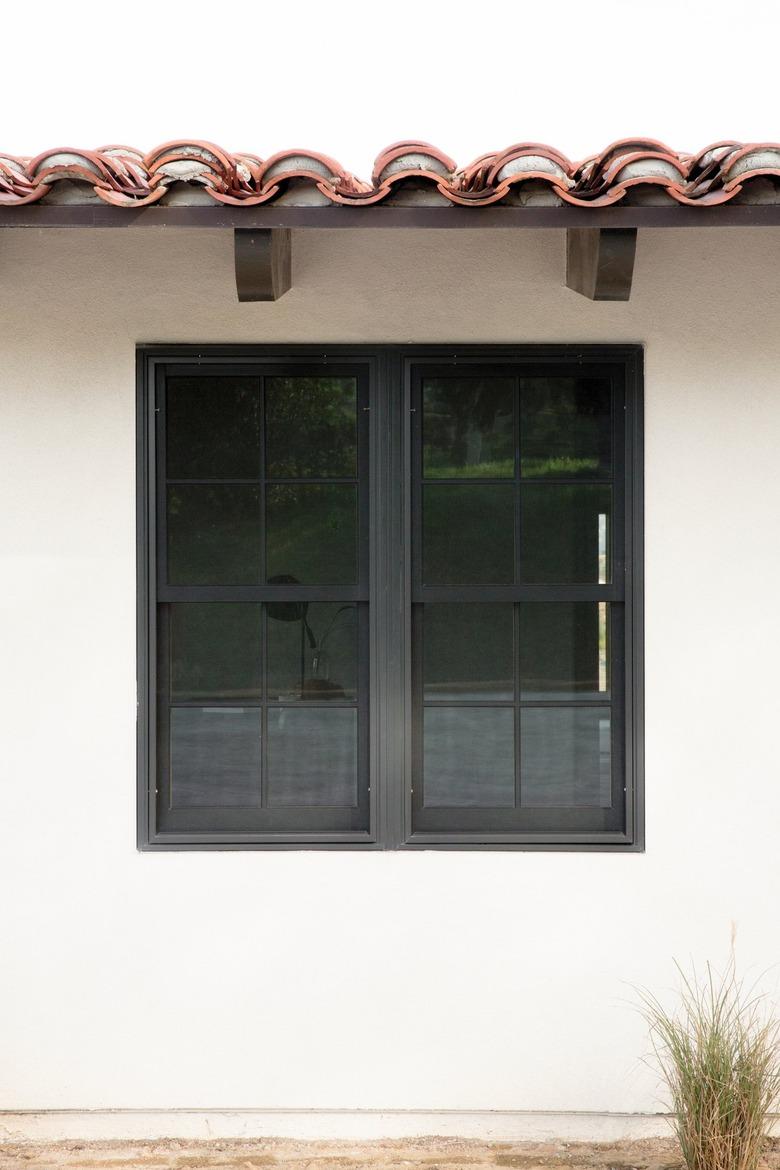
326 1124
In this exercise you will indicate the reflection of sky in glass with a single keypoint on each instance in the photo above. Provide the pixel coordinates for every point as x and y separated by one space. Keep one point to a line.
602 646
565 757
215 757
602 548
469 757
312 757
605 762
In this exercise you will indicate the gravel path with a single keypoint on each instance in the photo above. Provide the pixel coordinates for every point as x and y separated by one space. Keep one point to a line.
427 1153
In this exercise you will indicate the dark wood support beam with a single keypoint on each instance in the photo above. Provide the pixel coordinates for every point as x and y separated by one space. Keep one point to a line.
263 263
600 262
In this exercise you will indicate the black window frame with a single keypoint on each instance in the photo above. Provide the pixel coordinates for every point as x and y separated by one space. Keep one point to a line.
390 372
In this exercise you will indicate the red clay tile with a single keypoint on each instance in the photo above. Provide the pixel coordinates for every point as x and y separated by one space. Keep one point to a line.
125 177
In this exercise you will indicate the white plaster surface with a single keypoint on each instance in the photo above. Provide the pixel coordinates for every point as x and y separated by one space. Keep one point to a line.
385 981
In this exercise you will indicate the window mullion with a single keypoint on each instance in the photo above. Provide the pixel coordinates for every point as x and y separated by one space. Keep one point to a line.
389 600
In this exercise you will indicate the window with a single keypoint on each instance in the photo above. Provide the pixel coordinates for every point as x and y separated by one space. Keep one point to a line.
390 598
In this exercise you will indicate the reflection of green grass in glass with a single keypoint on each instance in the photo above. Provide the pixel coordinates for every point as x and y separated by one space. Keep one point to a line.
311 533
558 465
497 469
468 534
468 427
213 534
565 426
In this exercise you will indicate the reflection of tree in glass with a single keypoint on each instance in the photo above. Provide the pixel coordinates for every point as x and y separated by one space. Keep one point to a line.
468 428
565 427
213 428
311 427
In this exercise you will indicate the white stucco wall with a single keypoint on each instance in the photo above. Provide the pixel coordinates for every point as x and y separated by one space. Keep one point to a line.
372 980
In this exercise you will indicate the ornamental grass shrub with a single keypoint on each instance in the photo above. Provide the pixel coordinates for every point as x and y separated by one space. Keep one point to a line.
719 1055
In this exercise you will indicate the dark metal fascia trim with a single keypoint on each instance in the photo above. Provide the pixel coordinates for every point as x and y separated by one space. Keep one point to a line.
82 215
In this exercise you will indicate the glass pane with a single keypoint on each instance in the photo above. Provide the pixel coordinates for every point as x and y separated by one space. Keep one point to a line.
566 427
468 534
213 428
565 757
565 534
468 652
215 652
213 534
215 756
469 757
468 428
311 533
312 756
311 427
312 650
563 650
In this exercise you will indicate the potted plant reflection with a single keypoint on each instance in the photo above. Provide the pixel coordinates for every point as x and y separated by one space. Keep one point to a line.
317 645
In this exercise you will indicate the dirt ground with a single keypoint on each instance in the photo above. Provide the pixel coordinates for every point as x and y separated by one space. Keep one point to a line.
427 1153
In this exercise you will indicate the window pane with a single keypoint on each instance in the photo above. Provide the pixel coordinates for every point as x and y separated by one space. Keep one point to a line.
565 534
469 757
311 533
566 427
215 756
468 651
213 534
213 428
565 757
312 756
563 650
312 650
215 652
468 428
311 427
468 534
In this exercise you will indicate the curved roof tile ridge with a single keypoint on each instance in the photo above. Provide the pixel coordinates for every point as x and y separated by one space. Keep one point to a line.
126 177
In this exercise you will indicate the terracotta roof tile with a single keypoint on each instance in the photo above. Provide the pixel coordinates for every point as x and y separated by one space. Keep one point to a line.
125 177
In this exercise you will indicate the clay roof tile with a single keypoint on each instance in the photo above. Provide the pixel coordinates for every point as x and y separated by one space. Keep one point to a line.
126 177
